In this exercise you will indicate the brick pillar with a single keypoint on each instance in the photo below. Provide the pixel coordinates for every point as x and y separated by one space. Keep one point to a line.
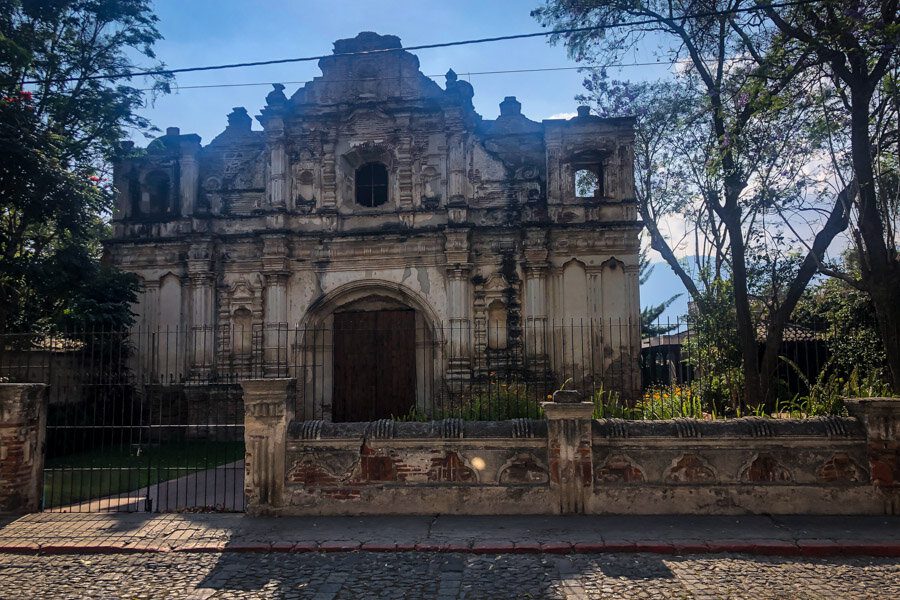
268 409
881 418
23 420
569 447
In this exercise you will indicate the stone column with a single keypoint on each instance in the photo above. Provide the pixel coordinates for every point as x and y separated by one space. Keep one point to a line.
569 450
632 291
268 409
189 177
456 167
277 165
272 119
596 324
459 300
275 271
202 281
536 266
23 420
881 419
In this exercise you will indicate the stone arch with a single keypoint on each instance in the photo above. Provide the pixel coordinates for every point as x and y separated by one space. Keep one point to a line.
353 291
316 337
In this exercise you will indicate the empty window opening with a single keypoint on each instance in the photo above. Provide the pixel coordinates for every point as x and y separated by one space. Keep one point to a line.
589 183
371 185
156 193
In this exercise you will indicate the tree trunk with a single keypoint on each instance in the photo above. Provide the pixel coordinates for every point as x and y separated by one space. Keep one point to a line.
754 386
879 267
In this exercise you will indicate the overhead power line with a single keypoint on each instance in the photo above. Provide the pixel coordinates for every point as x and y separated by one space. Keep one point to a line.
485 40
460 74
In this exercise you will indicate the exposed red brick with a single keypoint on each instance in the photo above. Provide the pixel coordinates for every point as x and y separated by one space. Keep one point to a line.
618 468
766 469
690 468
449 467
311 474
840 468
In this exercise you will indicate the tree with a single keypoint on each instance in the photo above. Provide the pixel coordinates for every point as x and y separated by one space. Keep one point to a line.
748 127
61 119
846 315
856 47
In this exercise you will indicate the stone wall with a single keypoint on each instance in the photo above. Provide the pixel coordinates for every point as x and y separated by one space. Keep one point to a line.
570 463
23 413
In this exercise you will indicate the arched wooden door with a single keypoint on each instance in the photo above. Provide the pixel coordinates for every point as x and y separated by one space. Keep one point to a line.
374 364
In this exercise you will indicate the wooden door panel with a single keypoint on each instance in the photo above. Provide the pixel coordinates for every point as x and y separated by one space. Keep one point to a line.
374 364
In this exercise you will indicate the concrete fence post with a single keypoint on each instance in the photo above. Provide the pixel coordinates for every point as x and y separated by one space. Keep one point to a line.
569 450
23 430
268 409
881 419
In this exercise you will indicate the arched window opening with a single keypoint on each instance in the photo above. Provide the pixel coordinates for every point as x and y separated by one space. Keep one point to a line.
371 185
589 182
156 193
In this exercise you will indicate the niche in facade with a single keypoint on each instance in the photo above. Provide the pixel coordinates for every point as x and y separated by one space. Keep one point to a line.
496 324
242 335
371 181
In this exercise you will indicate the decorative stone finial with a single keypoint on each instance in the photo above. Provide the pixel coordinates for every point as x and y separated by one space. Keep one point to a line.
510 106
276 96
173 131
584 111
451 76
238 119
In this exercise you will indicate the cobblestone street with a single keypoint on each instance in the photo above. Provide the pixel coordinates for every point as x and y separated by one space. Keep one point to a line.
433 575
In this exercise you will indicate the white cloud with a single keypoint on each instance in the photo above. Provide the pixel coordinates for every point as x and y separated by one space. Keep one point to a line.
564 115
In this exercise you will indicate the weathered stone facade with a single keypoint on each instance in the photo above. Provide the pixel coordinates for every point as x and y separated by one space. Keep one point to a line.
373 188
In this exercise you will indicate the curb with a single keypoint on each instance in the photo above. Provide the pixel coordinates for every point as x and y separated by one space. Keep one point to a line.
812 548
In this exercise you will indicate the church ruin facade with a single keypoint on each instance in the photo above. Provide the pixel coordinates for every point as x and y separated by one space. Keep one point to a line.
380 240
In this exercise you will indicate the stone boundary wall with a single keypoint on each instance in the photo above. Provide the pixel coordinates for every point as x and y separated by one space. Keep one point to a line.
23 416
570 463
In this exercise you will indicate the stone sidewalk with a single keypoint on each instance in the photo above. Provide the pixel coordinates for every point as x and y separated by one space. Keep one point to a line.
55 533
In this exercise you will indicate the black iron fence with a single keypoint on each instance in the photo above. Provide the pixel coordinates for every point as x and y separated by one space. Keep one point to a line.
152 419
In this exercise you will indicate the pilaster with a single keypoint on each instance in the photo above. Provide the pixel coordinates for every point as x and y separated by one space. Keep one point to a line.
569 450
268 410
202 280
459 302
881 419
275 272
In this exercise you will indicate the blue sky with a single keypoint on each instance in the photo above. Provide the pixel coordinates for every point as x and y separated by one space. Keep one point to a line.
204 32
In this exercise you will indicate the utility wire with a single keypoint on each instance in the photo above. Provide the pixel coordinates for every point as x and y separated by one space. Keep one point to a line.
519 36
177 87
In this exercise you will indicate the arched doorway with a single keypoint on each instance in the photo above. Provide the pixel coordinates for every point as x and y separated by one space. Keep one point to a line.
373 353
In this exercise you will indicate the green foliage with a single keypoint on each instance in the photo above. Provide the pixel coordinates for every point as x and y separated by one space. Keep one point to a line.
826 395
712 349
485 402
846 317
56 138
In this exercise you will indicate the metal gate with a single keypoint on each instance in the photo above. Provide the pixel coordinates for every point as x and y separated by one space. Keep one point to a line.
125 435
